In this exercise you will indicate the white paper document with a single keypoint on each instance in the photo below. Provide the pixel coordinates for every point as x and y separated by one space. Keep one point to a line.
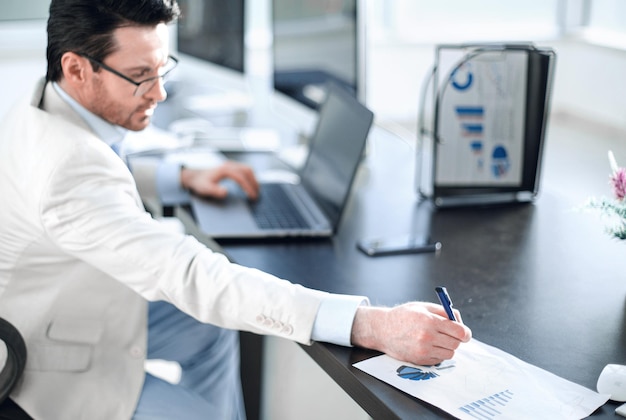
483 382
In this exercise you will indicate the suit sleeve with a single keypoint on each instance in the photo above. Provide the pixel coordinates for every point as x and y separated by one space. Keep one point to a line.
91 209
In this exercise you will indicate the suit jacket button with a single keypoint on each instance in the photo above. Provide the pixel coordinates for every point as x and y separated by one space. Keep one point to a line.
136 352
260 319
287 329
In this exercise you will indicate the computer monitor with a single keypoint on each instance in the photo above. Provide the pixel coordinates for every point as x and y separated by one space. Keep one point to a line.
314 42
213 31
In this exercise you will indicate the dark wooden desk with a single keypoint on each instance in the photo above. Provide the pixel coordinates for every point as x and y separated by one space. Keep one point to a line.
540 281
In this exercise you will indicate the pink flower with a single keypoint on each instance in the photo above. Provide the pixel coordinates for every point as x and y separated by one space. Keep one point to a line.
618 181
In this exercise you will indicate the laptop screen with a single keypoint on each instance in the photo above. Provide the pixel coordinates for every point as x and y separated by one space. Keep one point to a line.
336 150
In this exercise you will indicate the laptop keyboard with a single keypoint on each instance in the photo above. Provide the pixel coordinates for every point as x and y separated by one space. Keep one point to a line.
273 209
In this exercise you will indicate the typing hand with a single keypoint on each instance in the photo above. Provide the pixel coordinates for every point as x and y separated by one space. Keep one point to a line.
206 182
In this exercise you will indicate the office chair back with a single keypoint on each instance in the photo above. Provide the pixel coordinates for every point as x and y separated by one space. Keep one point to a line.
12 371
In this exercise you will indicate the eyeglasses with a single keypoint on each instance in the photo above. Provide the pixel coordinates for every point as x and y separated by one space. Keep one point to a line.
145 85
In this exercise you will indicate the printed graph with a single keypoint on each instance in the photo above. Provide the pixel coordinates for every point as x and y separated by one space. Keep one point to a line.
485 383
470 118
415 373
500 163
489 407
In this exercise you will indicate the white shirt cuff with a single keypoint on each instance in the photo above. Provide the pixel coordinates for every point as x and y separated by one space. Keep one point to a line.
335 316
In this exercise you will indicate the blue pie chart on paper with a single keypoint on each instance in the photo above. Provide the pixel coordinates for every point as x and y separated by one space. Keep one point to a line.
414 373
500 163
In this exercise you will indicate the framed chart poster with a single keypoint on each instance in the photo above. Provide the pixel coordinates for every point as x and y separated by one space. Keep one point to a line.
490 109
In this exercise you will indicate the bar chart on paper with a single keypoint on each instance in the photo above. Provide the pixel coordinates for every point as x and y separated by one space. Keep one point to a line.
483 382
489 407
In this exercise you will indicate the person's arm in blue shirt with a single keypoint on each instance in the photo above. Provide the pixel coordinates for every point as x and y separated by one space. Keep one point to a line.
169 188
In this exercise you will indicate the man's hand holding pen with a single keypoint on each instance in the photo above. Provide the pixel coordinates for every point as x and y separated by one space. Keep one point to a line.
417 332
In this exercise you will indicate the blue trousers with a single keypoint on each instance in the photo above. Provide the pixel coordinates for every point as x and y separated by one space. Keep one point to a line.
210 385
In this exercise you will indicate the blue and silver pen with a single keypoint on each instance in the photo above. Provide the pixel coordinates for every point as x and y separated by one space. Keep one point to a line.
444 298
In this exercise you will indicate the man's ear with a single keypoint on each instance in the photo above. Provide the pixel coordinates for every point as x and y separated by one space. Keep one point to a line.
76 68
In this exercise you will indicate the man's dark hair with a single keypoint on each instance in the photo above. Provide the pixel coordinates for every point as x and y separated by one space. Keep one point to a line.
86 26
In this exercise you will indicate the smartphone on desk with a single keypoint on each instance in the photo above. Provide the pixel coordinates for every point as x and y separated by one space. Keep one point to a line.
407 244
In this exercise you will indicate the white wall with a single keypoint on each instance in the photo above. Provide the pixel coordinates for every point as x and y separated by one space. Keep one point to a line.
22 59
590 83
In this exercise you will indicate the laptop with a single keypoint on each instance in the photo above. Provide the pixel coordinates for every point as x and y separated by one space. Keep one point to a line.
320 195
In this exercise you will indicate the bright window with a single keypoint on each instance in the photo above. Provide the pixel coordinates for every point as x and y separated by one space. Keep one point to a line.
427 21
606 23
608 14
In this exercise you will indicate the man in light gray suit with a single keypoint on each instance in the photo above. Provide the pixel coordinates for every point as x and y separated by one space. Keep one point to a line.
80 258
